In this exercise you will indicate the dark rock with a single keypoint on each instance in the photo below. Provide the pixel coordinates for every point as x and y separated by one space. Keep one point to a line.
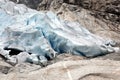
30 3
4 69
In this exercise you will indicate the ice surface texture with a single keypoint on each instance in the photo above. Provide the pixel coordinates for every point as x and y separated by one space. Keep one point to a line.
44 34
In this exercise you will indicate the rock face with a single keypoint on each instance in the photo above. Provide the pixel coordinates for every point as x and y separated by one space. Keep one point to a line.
108 9
30 3
105 10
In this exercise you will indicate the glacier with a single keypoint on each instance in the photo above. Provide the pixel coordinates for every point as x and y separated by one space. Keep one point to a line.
44 34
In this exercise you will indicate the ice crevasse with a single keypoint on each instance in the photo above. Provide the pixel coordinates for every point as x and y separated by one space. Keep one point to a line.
44 34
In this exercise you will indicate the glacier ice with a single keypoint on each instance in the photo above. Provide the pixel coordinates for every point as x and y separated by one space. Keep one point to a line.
44 34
